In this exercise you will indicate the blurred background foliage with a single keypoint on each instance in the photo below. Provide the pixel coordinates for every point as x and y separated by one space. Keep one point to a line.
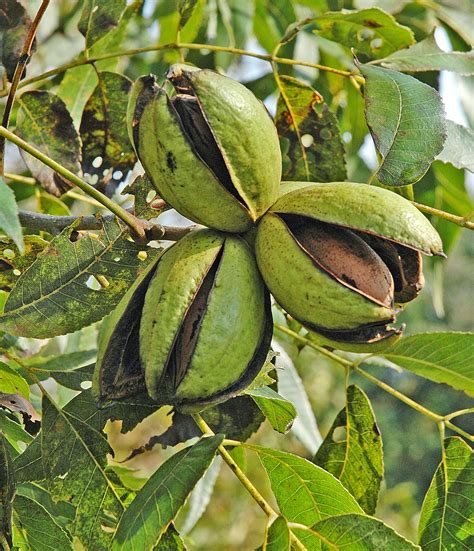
411 442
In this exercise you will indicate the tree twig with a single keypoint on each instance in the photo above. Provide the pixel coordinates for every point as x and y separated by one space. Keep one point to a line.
55 224
25 55
453 218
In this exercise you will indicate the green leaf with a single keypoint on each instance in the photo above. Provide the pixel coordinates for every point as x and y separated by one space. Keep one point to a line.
163 495
353 533
459 146
185 10
439 357
271 20
15 24
355 457
447 513
310 141
305 493
9 221
428 56
7 491
458 17
60 292
103 131
277 536
99 17
147 203
406 120
12 382
38 527
79 82
170 541
13 431
44 122
276 409
371 32
74 457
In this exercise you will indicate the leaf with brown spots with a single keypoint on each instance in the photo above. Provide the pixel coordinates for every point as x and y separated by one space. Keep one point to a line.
99 17
44 122
107 153
312 149
74 283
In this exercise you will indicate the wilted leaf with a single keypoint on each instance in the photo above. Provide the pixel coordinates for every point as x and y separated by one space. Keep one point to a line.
163 495
14 26
13 263
440 357
38 527
428 56
447 513
355 456
107 153
7 490
279 412
61 293
304 492
44 122
354 533
99 17
74 461
277 537
371 31
458 147
12 382
406 120
9 221
311 145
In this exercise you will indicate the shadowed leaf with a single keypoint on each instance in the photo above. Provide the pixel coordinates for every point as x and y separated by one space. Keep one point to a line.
61 291
311 145
74 459
271 20
13 263
7 490
147 203
355 457
439 357
459 146
107 153
406 120
371 31
170 541
14 26
99 17
163 495
44 122
9 221
447 513
38 527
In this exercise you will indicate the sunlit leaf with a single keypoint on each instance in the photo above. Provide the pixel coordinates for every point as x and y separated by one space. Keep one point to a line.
277 536
163 495
428 56
44 122
371 31
355 456
447 513
305 493
354 533
406 120
13 431
61 291
9 221
12 382
440 357
310 141
279 412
